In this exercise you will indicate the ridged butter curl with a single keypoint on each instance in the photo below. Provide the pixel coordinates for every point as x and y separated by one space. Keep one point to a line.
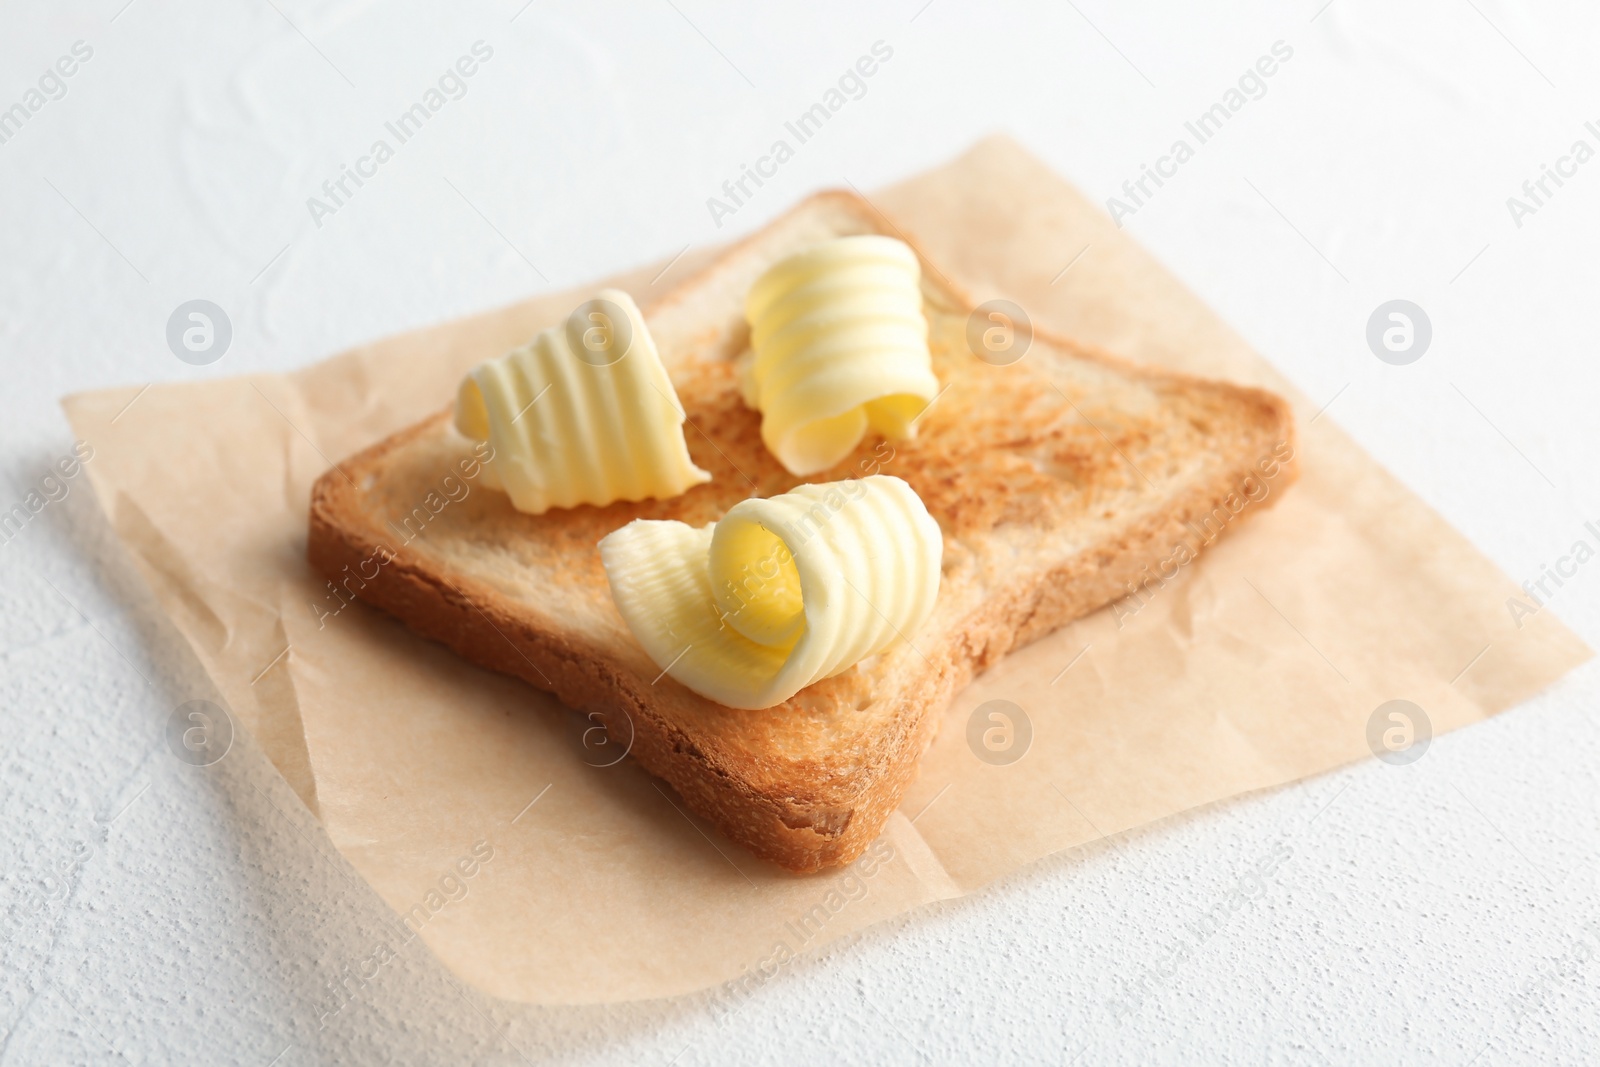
839 346
783 591
582 414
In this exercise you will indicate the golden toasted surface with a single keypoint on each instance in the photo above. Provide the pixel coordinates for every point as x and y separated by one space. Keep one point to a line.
1054 479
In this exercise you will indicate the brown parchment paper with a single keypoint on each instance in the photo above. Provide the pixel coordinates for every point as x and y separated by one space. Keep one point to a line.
1259 665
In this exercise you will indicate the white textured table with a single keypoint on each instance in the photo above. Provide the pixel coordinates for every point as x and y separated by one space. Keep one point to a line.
1441 912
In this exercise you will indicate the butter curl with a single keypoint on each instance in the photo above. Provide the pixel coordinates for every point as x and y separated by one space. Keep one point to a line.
783 591
839 346
582 414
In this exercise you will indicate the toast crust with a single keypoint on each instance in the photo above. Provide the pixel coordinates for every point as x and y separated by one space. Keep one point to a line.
1056 489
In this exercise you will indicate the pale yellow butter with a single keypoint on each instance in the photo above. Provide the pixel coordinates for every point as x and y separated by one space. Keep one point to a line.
783 591
839 346
582 414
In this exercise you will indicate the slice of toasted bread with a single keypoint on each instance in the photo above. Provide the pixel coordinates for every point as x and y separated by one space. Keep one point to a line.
1059 481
